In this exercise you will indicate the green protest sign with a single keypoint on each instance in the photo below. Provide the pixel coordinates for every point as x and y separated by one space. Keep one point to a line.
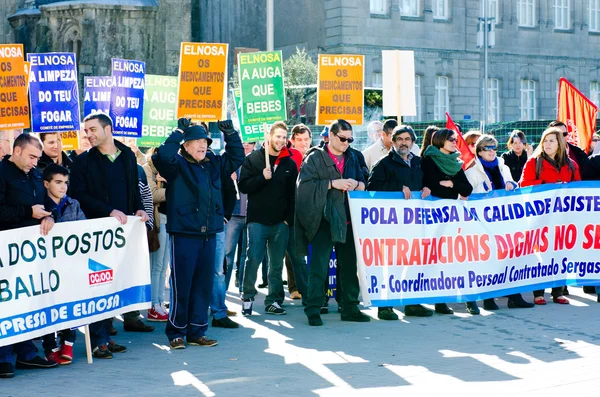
160 103
250 132
261 87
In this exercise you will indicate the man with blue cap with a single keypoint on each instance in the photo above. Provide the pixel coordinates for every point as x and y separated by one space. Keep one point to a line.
195 213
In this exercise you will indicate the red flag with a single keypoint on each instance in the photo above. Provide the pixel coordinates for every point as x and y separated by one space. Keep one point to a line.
578 113
465 153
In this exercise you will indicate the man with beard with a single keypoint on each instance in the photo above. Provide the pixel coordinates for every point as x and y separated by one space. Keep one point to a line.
400 171
271 199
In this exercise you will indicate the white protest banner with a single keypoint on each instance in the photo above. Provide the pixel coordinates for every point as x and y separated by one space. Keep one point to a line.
398 71
496 244
80 273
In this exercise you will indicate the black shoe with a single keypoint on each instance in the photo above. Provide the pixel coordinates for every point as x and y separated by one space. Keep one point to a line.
565 291
472 308
112 331
517 302
315 320
224 322
356 316
324 309
137 326
588 289
386 313
102 352
276 309
114 348
6 370
417 311
284 282
35 363
263 285
490 304
442 308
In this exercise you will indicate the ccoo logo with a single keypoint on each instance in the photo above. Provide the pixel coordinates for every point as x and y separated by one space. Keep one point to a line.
99 273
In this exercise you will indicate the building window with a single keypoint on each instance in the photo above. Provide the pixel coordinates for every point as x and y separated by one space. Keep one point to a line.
528 100
561 14
493 10
595 92
440 9
410 8
379 7
440 102
417 101
526 12
493 101
377 80
594 16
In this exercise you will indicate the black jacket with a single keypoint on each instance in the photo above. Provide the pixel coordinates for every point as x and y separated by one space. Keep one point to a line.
515 163
18 193
591 169
432 176
89 183
45 161
269 201
391 174
228 194
194 200
577 155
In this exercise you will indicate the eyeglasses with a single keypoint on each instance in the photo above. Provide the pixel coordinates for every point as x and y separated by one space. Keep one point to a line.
490 148
343 139
452 139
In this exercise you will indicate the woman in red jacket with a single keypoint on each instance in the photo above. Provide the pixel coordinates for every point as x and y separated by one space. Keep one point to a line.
550 163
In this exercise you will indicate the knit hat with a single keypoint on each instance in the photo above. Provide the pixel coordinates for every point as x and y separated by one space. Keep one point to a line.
195 132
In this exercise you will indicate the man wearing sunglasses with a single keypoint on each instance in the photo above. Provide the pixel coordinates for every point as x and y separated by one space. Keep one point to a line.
575 153
323 220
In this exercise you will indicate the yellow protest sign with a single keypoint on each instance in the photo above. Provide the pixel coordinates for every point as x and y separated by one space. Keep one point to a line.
14 106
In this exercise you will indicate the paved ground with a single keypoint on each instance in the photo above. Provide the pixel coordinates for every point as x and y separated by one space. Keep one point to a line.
545 351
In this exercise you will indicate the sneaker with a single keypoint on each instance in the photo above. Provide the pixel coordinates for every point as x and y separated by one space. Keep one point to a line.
224 322
295 295
417 311
56 357
66 352
155 315
202 341
6 370
177 344
386 313
356 316
114 348
35 363
246 307
102 352
274 308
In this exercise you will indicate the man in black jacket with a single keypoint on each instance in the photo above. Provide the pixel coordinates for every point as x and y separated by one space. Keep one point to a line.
105 182
400 171
271 196
53 153
22 196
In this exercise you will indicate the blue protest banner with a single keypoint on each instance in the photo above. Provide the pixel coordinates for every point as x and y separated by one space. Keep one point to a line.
96 95
127 97
53 92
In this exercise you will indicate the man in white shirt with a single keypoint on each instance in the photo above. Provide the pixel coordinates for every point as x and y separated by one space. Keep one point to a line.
383 145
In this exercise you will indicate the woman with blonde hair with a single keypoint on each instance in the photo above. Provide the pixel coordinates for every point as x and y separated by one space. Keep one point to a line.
550 163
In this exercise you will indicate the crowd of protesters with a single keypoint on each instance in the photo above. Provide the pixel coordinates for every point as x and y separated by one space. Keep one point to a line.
208 214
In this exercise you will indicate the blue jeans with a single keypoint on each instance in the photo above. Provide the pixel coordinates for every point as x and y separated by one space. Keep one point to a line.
261 239
24 351
159 260
235 227
217 301
192 272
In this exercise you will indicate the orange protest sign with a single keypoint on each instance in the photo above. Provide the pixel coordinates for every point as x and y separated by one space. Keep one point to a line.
27 71
70 140
340 92
202 81
14 106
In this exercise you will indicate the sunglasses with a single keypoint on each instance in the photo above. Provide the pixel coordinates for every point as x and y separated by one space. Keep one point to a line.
490 148
343 139
452 139
565 134
593 140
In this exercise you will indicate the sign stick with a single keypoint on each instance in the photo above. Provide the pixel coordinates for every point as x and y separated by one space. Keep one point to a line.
266 130
88 345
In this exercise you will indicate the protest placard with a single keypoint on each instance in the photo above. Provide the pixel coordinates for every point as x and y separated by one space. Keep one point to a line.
160 101
70 140
27 71
496 244
262 90
250 132
80 273
340 91
53 92
14 106
127 97
398 72
202 94
96 95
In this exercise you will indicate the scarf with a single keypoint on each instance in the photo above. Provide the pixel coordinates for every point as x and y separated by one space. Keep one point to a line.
449 164
492 170
552 162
